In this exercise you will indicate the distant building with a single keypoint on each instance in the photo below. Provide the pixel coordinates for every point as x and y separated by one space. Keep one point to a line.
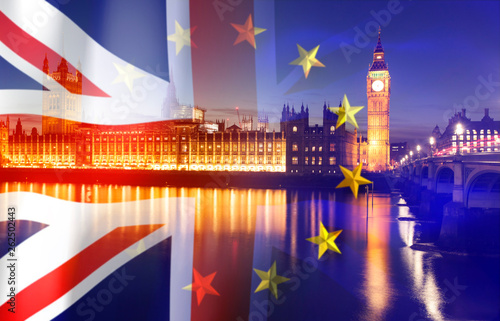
477 136
315 149
171 101
209 127
233 129
187 113
247 123
263 122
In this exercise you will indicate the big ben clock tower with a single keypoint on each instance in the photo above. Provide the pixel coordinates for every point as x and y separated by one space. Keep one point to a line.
378 91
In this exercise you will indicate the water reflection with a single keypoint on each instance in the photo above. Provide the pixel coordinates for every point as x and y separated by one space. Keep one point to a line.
377 267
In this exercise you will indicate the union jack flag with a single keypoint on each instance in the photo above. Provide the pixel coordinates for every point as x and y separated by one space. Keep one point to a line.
103 261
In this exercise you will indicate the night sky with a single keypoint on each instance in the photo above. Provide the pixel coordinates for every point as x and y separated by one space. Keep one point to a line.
436 52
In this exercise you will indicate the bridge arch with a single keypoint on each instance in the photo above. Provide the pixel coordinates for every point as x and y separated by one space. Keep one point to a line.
483 189
445 179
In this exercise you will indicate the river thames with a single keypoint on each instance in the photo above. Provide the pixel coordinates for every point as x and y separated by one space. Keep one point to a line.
377 276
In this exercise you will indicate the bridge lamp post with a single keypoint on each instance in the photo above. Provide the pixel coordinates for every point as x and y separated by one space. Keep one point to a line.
432 141
459 130
418 151
411 156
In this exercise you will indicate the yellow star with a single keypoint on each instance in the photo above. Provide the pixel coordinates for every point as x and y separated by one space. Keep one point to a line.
138 250
127 74
247 32
325 240
353 179
182 37
346 113
307 59
270 280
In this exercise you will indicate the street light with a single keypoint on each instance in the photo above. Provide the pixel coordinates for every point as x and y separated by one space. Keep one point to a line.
459 130
418 151
432 141
411 155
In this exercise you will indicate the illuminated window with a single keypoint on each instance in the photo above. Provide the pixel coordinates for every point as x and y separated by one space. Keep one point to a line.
454 144
217 148
332 147
243 148
306 161
488 131
313 161
313 148
320 148
269 147
468 137
235 147
481 136
454 137
320 160
482 131
294 129
332 129
261 147
226 147
474 137
461 137
332 160
295 160
307 148
295 147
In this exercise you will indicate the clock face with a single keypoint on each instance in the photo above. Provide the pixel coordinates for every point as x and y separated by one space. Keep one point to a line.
377 85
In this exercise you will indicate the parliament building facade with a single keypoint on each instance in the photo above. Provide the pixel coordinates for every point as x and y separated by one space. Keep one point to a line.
191 143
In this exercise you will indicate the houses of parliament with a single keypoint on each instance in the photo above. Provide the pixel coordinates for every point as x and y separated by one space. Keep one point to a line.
188 142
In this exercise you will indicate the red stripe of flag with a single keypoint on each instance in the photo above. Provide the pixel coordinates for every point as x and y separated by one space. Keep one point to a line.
33 51
223 77
55 284
223 73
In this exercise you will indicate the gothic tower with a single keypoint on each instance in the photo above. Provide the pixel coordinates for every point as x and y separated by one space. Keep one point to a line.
62 104
378 92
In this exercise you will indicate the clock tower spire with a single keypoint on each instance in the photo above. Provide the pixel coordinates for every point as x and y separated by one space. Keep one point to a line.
378 92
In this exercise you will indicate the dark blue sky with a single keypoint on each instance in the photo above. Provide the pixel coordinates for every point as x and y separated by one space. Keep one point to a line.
436 52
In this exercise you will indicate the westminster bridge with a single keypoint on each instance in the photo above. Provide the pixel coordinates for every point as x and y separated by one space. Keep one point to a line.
464 190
